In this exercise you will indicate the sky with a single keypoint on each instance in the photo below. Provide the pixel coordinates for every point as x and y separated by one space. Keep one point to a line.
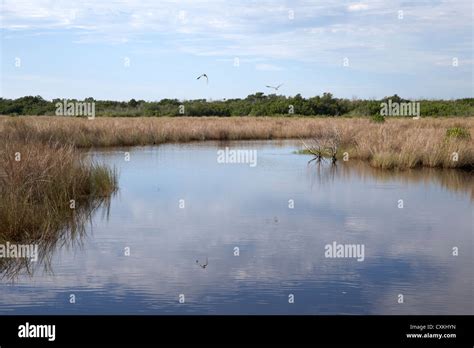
150 50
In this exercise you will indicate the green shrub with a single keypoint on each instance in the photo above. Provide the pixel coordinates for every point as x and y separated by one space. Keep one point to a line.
458 133
378 118
257 104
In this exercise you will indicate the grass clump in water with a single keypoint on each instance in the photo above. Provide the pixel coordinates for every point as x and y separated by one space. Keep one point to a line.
41 185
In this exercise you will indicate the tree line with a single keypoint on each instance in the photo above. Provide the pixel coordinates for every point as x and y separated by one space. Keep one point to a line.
257 104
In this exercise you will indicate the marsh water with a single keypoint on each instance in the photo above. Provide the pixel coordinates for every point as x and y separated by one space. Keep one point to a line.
263 230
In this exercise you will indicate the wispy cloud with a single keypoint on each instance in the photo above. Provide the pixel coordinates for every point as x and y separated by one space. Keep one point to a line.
358 6
261 29
271 35
268 67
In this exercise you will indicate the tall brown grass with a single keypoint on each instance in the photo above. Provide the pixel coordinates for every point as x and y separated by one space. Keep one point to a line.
396 143
39 182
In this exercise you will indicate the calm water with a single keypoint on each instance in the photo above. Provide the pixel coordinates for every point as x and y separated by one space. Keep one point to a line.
407 251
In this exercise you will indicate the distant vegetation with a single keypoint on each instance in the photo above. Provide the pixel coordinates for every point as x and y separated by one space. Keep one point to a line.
257 104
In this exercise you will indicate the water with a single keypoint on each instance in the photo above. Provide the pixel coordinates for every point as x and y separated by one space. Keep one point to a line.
407 251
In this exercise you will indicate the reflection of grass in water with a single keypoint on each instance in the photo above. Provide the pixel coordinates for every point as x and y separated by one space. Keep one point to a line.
36 194
69 233
450 179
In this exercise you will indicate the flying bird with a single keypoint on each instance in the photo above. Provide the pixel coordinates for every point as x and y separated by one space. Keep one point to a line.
275 88
203 75
203 266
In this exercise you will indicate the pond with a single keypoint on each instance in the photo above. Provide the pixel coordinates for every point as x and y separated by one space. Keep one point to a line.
191 233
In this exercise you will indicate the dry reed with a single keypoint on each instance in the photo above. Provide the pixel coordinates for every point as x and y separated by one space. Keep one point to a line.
396 143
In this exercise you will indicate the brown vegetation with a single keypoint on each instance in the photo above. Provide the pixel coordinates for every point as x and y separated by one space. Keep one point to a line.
46 189
396 143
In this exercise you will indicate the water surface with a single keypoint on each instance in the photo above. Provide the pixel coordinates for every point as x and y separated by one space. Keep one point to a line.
408 251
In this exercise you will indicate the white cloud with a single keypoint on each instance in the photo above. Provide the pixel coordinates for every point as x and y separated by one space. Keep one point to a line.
358 6
268 67
372 36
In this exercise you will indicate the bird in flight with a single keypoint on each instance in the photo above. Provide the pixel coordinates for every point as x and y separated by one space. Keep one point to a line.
275 88
203 266
203 75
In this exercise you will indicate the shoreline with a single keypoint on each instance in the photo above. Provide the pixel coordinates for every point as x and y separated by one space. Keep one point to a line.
397 143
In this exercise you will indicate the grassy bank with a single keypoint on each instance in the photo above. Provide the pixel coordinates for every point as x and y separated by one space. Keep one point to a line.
46 189
395 143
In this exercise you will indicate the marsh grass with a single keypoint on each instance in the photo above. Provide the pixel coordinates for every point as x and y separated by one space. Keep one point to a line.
396 143
38 180
37 190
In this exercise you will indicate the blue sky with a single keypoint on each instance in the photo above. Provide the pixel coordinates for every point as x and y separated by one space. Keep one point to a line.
80 48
